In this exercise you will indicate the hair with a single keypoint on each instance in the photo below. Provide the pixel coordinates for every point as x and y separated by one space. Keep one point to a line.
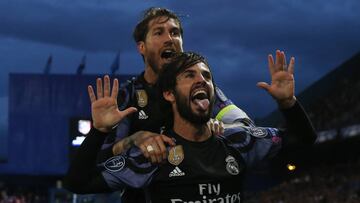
142 27
181 62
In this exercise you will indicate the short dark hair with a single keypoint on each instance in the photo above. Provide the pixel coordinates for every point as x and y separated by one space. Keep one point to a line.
142 27
182 61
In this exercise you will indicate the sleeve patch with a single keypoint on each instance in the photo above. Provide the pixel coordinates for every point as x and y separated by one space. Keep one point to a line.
220 95
258 132
115 164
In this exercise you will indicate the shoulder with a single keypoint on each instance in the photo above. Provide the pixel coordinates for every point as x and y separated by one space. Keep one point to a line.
226 111
127 91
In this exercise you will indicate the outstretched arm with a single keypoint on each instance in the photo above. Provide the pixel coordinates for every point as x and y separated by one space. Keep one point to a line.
282 89
82 176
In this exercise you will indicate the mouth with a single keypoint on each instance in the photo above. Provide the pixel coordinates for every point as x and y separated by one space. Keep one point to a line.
168 54
200 98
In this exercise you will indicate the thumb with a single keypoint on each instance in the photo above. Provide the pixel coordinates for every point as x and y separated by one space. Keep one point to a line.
263 85
129 111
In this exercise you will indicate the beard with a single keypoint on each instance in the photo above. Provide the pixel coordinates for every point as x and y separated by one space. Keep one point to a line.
184 109
152 62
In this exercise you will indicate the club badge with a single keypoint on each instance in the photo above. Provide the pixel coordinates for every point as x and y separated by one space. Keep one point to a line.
258 132
231 165
142 98
176 155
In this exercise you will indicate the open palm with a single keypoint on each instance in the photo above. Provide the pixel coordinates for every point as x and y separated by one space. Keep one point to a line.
104 107
282 87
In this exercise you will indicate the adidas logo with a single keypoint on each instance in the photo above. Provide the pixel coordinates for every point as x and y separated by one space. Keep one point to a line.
176 172
142 115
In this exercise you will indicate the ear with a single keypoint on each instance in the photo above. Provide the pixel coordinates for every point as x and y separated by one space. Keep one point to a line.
141 47
169 96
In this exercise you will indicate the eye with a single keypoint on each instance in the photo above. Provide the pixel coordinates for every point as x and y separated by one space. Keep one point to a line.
175 32
189 75
157 33
207 75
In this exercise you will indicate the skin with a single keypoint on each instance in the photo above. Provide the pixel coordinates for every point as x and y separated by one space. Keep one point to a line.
105 113
192 79
281 89
161 35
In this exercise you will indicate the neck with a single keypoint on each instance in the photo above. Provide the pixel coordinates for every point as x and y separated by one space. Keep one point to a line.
150 76
189 131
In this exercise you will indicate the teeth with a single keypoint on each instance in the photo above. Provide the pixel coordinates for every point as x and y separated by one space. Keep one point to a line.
168 53
199 92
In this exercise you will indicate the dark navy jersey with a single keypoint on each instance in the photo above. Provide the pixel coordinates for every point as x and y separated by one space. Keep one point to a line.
138 93
149 117
208 171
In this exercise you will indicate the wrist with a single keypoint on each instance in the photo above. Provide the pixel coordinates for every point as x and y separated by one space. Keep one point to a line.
101 129
287 103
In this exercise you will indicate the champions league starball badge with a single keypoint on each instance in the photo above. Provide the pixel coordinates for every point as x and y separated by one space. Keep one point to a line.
258 132
142 98
176 155
232 166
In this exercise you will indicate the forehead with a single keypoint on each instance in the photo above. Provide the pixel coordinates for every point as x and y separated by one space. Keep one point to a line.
162 21
200 66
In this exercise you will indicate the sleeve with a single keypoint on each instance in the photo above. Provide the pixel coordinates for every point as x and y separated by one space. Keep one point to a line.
227 112
130 169
122 129
258 143
255 144
299 129
82 176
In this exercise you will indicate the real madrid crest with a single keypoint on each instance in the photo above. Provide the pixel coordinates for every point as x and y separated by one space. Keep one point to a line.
176 155
142 98
231 165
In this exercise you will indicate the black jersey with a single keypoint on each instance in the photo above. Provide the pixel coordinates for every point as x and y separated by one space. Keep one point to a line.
208 171
149 117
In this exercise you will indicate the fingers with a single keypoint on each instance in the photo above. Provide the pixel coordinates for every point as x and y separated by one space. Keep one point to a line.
104 90
216 127
106 86
115 89
99 90
221 128
271 64
291 65
91 94
153 146
280 63
129 111
263 85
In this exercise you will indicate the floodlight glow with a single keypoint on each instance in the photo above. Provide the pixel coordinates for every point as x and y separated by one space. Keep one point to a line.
84 126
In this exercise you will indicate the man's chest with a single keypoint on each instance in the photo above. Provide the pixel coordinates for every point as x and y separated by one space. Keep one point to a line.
200 175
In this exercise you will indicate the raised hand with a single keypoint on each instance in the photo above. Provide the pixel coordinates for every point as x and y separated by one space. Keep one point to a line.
282 87
104 108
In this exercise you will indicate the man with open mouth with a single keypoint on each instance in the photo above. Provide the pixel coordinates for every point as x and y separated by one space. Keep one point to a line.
200 166
159 37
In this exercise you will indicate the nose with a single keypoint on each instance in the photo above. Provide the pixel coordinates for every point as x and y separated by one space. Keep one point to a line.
200 78
168 38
